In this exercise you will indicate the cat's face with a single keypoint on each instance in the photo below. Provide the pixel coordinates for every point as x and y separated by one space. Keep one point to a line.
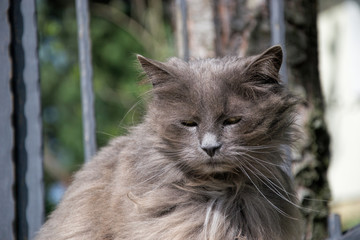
216 115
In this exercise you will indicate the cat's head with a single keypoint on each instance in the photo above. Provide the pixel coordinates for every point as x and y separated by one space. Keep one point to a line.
215 115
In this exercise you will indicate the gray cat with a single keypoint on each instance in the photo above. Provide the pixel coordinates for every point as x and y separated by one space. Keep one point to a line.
205 164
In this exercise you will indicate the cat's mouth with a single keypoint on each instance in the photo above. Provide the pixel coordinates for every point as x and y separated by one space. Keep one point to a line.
217 165
212 162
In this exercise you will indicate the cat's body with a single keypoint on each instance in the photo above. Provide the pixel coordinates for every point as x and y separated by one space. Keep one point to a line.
205 164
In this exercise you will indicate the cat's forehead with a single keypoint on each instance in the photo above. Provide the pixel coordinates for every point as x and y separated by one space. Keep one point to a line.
204 68
210 66
212 78
208 81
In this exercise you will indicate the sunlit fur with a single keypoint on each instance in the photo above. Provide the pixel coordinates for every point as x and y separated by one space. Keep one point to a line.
158 183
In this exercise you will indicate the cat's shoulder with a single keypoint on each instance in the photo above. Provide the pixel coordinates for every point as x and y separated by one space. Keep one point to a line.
105 160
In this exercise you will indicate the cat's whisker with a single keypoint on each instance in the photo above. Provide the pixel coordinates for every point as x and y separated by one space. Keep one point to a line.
281 187
267 182
243 166
271 172
243 154
259 149
105 133
173 140
287 199
259 161
273 185
263 195
121 123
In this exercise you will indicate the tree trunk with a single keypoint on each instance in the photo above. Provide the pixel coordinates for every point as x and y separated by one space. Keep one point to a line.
310 171
223 27
242 27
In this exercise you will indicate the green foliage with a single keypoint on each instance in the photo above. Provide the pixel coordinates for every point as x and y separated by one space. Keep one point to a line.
116 36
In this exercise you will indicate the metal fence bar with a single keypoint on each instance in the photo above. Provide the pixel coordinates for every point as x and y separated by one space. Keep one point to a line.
334 227
87 97
277 23
185 35
7 203
27 120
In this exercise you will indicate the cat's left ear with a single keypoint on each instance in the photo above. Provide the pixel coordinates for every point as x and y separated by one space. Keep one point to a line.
268 63
157 72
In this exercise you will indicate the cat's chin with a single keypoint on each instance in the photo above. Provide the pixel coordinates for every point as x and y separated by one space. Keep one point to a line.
220 172
213 166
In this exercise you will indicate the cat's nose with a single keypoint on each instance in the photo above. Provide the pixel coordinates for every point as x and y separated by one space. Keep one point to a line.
210 144
211 150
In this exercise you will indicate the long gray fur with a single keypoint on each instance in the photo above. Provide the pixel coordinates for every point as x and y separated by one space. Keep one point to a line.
158 182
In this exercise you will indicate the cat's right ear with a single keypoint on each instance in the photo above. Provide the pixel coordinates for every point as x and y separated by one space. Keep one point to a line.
267 65
157 72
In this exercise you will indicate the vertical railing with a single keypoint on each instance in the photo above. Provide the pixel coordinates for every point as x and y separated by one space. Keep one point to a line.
334 227
21 171
277 23
335 232
22 197
87 97
7 202
182 5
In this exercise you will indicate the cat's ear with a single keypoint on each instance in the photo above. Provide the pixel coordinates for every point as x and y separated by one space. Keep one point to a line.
274 55
267 65
157 72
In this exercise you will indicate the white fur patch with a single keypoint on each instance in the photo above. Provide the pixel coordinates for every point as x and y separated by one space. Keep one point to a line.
209 140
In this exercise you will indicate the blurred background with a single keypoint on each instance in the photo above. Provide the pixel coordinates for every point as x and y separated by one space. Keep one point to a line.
339 48
120 29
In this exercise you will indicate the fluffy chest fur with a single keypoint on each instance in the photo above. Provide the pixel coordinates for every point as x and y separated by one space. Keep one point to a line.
170 203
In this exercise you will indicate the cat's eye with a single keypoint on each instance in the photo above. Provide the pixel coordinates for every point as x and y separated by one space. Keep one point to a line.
189 123
232 120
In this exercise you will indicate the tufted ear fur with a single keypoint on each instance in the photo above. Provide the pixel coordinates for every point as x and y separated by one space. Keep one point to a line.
267 65
157 72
